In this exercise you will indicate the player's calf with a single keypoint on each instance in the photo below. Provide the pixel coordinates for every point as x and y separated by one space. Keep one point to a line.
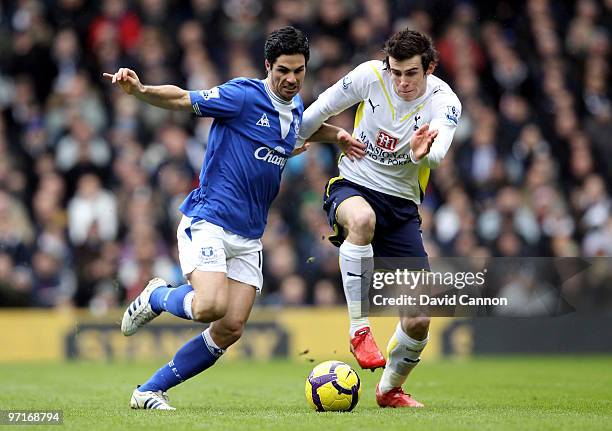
227 331
416 327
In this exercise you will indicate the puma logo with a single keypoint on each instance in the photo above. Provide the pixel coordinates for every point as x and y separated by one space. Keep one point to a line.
372 105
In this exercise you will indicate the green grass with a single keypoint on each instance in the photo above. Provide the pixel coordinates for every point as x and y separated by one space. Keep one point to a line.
543 393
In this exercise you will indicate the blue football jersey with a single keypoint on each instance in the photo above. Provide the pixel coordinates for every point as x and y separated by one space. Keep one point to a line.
253 134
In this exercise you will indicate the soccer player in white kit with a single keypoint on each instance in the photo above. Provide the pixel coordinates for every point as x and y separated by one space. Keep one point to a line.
407 118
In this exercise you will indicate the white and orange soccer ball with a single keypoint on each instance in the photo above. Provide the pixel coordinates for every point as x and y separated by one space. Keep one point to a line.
333 386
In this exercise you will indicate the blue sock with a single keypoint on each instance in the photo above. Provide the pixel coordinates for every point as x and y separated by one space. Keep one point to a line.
172 300
195 356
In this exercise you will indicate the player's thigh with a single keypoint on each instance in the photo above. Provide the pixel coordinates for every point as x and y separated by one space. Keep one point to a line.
355 213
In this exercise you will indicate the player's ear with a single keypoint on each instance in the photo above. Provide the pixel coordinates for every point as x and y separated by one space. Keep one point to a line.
431 68
268 66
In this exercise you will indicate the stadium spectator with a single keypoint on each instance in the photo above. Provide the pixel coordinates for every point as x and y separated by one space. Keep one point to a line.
534 134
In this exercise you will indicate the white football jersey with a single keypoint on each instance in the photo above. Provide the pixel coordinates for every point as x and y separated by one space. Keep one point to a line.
385 123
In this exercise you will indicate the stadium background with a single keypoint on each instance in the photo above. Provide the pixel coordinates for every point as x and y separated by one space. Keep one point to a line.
91 179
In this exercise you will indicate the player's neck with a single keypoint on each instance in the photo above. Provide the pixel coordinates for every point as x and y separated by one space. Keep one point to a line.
273 93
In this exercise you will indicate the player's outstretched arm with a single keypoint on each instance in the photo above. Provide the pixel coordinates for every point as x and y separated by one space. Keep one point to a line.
349 145
163 96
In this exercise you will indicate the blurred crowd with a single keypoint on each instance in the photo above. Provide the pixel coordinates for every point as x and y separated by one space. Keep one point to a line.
91 179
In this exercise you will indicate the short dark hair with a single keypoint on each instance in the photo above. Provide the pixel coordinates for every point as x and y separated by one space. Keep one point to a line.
286 41
408 43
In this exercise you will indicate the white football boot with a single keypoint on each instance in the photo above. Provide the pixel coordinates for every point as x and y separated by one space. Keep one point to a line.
150 400
139 312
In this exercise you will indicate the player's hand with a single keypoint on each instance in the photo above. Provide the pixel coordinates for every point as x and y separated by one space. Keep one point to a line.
127 80
300 150
421 141
350 146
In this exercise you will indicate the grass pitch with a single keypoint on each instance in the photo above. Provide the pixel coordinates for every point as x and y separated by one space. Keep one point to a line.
552 393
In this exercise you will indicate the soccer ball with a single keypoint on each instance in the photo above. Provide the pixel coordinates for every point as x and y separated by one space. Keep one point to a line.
333 386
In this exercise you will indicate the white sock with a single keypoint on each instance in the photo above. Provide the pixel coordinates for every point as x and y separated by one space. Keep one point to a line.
355 285
403 354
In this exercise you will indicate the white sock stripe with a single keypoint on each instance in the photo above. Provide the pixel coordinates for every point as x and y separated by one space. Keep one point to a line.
187 300
166 297
211 345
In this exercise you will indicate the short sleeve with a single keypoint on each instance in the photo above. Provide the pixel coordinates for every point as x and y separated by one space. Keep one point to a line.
446 109
224 101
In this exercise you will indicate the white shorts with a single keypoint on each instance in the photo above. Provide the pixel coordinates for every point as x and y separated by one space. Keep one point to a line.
207 247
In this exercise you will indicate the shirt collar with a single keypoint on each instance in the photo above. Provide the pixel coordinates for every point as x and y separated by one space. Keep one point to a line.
273 96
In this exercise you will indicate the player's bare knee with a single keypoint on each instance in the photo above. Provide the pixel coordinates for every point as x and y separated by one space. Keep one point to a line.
207 311
361 224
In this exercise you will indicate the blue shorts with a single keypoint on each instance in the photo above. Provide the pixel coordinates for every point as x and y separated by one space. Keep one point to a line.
398 225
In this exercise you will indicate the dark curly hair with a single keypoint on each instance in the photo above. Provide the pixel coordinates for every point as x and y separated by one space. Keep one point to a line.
286 41
408 43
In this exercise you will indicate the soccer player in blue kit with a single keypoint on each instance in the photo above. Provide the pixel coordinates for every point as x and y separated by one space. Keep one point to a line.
254 132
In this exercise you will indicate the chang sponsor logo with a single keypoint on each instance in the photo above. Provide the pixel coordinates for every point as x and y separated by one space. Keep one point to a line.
268 155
